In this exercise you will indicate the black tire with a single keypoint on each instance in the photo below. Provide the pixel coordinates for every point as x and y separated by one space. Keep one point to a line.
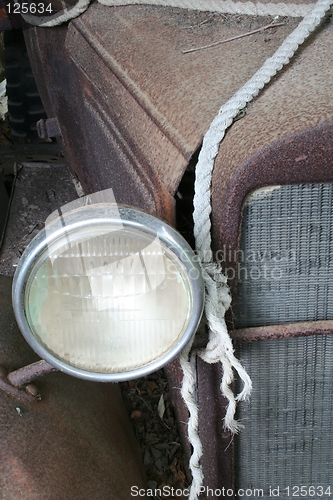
25 107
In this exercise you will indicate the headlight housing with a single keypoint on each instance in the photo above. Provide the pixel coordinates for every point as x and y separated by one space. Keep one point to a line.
108 293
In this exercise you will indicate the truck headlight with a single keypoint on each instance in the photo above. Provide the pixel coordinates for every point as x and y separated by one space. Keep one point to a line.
108 293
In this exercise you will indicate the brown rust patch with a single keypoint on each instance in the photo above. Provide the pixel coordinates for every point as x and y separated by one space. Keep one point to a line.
291 330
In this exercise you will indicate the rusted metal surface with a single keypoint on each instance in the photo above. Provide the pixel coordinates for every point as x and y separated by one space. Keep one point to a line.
291 330
300 158
218 445
286 137
7 388
217 458
142 105
76 443
48 128
29 373
180 93
95 150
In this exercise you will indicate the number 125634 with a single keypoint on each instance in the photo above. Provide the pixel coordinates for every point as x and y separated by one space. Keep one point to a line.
29 8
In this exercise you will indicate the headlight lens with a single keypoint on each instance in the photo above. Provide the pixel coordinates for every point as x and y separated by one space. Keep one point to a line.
108 298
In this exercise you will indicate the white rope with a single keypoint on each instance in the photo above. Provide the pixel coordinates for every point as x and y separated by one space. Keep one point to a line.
224 6
60 17
220 347
221 6
188 393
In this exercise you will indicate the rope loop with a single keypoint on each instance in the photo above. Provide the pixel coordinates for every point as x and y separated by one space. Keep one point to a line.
219 347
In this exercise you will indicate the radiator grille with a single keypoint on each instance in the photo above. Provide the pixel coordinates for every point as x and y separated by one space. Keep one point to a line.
285 275
285 268
288 437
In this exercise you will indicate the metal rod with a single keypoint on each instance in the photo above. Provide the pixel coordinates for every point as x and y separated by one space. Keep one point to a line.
29 373
291 330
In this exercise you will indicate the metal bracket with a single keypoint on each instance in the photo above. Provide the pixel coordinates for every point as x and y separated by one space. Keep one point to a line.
48 128
18 383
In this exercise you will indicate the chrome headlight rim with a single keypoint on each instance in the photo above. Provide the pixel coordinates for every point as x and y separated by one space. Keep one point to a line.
105 214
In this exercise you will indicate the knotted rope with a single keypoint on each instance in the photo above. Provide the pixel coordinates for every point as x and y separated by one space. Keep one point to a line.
219 347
